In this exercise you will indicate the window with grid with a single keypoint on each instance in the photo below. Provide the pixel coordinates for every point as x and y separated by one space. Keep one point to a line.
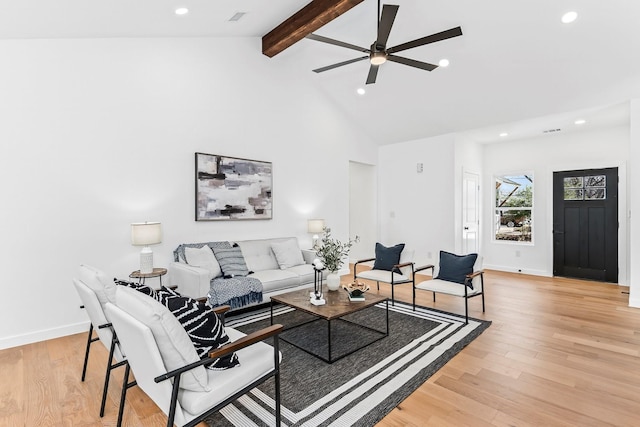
514 207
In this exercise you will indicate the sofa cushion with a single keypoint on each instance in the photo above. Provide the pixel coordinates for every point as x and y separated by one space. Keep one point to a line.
288 253
203 257
258 254
231 261
304 272
273 280
454 268
173 342
387 257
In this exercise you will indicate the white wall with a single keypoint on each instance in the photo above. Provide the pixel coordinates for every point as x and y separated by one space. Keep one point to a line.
542 156
100 133
418 208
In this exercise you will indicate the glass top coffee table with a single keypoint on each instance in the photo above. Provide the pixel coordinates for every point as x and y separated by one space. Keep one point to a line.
341 320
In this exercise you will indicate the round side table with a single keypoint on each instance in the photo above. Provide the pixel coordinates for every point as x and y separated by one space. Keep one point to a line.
157 272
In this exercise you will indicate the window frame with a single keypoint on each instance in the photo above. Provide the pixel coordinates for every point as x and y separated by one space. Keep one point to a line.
495 209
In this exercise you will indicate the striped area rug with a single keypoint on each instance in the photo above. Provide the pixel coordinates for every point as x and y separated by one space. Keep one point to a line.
362 388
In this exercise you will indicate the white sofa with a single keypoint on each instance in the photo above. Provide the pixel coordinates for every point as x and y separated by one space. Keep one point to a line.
261 260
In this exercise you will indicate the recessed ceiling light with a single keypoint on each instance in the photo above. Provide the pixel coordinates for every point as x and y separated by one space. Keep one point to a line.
181 11
443 63
569 17
580 121
503 134
361 91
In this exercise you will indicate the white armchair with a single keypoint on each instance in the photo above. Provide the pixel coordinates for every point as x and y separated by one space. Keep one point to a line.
400 271
460 281
167 368
92 286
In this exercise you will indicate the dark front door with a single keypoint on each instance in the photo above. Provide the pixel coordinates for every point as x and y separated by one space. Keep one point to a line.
585 224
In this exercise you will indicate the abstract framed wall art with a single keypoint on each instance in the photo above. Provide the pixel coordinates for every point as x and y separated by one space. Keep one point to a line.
229 188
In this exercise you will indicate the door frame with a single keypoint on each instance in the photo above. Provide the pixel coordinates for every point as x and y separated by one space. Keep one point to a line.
623 212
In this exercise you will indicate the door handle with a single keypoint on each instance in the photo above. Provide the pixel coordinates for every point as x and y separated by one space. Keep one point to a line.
466 228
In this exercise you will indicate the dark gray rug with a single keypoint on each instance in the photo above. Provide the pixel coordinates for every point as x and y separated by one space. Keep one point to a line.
361 388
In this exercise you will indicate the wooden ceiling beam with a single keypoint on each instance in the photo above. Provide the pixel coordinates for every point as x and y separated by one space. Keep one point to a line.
305 21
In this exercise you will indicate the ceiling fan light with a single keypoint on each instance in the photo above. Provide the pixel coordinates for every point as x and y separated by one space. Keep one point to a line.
378 58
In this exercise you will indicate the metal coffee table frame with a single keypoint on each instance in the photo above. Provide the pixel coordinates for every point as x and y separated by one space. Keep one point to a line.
330 314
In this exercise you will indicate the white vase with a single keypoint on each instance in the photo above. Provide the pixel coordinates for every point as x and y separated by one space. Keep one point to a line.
333 281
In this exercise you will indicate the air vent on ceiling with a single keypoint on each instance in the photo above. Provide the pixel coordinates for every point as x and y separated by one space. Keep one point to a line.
551 130
238 16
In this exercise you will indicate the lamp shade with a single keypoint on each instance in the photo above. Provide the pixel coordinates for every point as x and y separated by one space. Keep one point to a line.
146 233
315 226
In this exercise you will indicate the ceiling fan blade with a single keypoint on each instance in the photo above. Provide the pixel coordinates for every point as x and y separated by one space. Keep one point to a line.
373 73
336 43
389 12
339 64
453 32
412 62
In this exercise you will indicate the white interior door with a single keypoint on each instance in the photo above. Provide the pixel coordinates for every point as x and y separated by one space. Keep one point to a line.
470 211
363 209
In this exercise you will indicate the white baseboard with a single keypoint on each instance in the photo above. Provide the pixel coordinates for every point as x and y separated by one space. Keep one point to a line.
43 335
634 302
532 272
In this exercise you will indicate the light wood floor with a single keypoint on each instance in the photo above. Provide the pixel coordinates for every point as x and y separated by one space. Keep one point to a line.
560 352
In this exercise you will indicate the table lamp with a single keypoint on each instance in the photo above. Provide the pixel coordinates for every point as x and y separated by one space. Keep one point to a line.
146 234
315 226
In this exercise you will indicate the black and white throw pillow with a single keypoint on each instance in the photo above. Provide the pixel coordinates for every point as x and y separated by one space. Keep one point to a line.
137 286
203 326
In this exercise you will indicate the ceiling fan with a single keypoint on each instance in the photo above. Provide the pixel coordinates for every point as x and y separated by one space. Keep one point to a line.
379 53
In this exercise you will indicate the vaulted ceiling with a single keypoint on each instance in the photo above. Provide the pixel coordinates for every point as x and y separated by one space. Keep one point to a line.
516 69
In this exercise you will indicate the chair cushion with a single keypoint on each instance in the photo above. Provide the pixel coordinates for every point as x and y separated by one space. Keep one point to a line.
173 342
287 253
257 361
454 268
444 287
231 261
203 257
386 257
383 276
